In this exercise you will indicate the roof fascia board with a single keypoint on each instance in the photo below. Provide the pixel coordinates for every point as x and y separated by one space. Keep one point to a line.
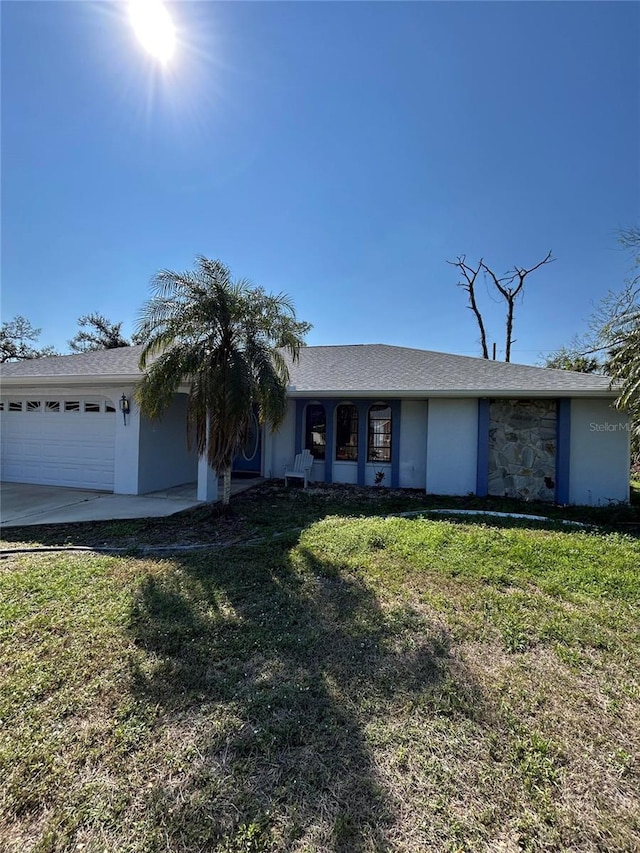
123 379
115 381
453 394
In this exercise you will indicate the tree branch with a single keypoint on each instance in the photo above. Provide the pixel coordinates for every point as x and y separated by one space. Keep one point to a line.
470 274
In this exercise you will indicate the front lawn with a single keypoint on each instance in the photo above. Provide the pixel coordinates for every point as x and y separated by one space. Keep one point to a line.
370 685
270 508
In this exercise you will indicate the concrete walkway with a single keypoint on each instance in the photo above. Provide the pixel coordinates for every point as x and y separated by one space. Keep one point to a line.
22 504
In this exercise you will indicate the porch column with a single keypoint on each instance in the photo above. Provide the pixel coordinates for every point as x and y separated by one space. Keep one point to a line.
563 449
482 469
207 478
207 481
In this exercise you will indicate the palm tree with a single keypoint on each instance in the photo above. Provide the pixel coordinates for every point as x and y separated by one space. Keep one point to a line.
226 340
624 366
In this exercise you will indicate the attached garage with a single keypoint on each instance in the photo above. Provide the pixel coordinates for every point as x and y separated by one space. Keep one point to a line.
58 441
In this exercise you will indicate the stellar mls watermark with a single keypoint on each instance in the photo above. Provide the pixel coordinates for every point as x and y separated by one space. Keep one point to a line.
605 426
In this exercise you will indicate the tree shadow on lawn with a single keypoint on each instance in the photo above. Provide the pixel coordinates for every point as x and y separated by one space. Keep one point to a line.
273 673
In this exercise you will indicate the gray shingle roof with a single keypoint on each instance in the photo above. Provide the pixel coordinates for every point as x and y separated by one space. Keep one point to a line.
379 367
354 369
122 361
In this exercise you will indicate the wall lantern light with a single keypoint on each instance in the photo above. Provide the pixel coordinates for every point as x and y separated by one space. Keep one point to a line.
124 407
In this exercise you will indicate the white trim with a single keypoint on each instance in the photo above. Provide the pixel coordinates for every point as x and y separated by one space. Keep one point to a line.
504 393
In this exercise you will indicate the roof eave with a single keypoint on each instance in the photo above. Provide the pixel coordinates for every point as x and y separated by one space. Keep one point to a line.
119 380
456 393
71 379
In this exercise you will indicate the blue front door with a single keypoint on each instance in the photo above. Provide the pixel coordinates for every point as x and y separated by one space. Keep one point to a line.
249 459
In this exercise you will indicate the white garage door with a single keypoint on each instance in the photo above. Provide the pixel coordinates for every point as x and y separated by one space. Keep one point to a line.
58 442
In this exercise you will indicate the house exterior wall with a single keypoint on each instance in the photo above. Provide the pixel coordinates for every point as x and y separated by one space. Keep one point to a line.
127 445
438 448
442 444
343 472
599 453
452 446
163 459
413 444
279 447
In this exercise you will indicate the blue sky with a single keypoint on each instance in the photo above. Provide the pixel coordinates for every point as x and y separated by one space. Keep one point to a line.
339 151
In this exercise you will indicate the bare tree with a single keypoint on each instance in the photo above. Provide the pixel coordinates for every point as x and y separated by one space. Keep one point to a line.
510 286
469 274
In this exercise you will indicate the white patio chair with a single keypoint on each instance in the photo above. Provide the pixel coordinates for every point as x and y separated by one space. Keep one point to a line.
301 468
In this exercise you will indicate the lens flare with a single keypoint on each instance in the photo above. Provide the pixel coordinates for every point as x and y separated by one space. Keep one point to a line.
154 28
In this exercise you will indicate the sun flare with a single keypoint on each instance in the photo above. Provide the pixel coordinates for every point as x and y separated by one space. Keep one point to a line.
153 26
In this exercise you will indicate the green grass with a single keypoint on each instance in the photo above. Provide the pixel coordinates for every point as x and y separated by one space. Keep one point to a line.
270 508
368 685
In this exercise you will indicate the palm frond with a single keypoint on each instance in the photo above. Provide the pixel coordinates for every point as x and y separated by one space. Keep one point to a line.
228 340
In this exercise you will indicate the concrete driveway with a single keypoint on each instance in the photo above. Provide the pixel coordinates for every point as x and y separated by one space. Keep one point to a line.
22 504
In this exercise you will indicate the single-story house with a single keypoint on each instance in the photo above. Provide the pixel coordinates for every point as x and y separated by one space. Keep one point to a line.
448 424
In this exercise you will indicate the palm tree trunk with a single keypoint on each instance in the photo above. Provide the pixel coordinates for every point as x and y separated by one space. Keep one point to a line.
226 487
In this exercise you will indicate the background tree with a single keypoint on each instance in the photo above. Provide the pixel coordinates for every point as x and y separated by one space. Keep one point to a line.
17 341
96 333
612 341
227 339
565 359
510 286
623 334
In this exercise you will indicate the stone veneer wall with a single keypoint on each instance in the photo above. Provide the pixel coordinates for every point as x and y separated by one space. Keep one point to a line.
522 449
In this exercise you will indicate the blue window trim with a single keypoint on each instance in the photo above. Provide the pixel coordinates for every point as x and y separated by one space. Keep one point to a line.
363 414
300 407
563 448
396 409
363 407
330 410
482 464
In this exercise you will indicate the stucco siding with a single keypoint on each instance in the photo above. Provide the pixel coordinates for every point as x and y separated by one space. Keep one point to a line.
452 447
127 463
281 445
344 472
164 460
413 444
599 453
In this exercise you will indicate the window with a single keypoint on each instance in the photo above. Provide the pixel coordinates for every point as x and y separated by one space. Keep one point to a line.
52 406
379 444
72 405
92 407
316 430
1 407
33 405
15 406
109 407
346 433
